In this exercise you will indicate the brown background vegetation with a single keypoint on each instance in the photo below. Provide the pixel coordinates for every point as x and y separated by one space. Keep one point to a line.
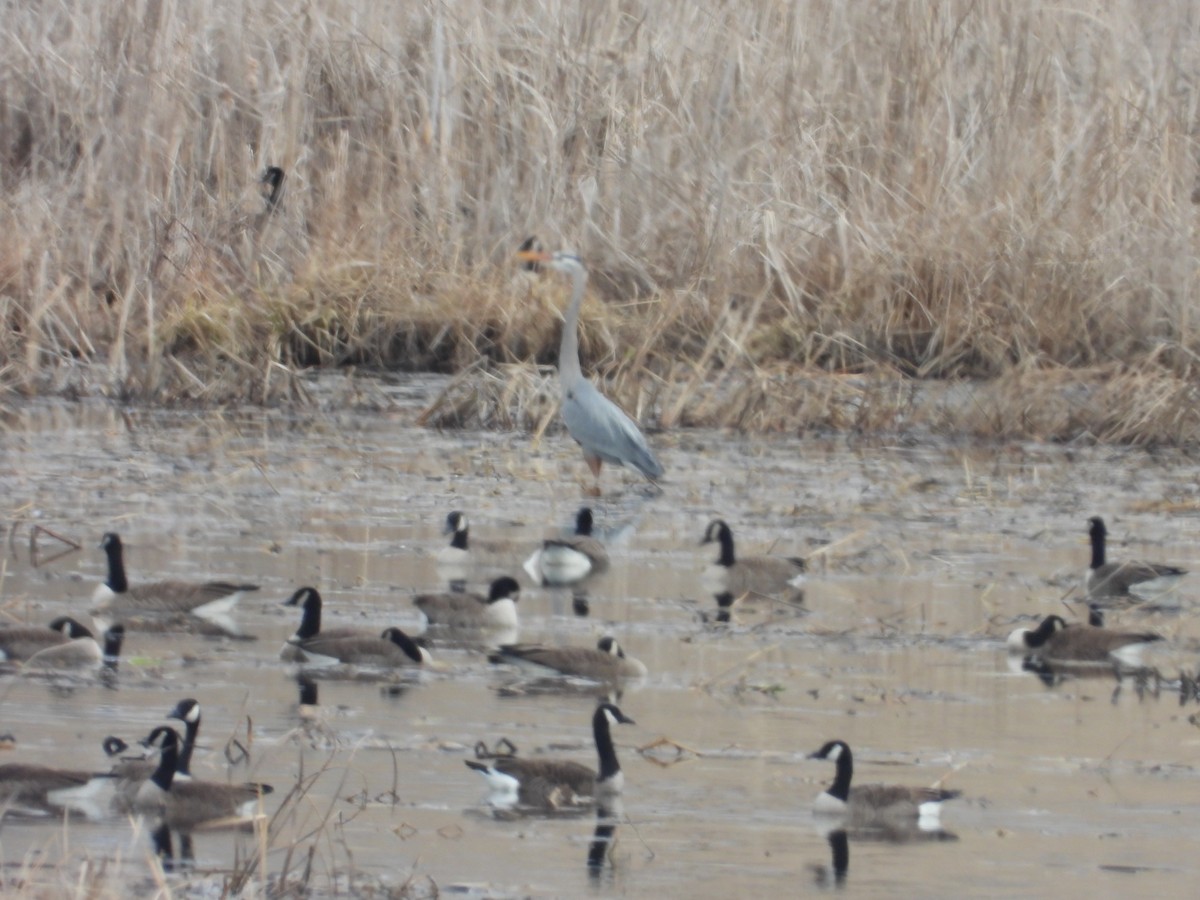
790 209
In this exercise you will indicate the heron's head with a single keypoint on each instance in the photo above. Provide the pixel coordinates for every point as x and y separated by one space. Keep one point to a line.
561 260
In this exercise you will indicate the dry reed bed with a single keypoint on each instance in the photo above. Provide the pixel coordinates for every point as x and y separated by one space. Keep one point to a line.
953 190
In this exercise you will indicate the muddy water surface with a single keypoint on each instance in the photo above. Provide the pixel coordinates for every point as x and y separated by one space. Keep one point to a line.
922 559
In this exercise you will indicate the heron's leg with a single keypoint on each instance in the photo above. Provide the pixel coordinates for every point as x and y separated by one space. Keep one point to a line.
594 463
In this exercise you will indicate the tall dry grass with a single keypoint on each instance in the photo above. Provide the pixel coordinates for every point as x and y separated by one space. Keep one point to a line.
920 189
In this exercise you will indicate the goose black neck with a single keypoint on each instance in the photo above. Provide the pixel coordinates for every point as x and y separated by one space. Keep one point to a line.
168 760
459 540
604 746
116 567
184 764
725 538
583 523
1041 634
845 771
404 642
310 619
1097 535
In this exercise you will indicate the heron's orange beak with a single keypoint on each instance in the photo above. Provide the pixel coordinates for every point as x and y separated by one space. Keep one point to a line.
533 256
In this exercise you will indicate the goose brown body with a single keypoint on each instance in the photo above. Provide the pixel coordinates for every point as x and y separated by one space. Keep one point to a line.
20 642
1055 640
604 662
186 805
755 575
81 652
1108 581
454 609
40 789
314 645
117 597
869 803
550 782
570 559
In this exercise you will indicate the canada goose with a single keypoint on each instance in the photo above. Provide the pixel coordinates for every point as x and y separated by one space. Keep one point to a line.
310 602
81 652
310 644
187 804
748 574
132 772
1110 579
1057 641
533 782
212 600
459 610
310 630
391 648
464 551
604 662
561 561
35 789
20 642
873 802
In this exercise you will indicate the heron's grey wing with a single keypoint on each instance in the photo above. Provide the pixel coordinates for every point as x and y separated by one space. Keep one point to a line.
604 431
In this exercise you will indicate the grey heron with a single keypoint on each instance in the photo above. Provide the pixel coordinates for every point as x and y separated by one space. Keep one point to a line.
598 425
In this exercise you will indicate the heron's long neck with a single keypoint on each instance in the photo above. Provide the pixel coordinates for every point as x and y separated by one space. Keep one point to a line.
568 350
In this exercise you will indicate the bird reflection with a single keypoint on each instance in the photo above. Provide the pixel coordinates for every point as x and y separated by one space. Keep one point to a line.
898 833
839 848
790 602
1146 680
724 606
599 856
164 848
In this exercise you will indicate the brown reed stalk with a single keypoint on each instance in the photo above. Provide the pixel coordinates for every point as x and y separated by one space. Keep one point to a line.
828 190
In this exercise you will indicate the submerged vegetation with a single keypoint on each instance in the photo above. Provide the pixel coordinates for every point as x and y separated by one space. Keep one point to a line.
792 212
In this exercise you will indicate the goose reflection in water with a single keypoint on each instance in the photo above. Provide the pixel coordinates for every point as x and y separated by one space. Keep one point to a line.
788 603
839 839
1144 679
609 812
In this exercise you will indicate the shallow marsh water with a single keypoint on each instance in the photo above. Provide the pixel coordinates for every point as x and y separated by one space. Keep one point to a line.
922 557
